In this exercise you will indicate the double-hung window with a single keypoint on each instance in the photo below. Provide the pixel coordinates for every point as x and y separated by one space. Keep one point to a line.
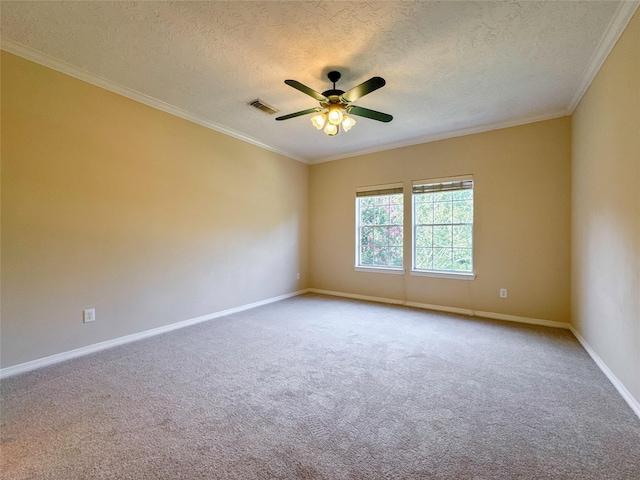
443 227
379 228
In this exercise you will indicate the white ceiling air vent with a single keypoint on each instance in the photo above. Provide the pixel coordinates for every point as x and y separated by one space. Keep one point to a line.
260 105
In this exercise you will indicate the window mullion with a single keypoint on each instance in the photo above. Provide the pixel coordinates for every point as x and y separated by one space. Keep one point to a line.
443 244
381 253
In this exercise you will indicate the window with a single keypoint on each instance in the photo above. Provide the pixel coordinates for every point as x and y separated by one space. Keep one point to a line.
379 232
443 226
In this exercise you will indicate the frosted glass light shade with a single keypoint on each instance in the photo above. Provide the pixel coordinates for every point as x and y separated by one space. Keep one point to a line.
331 129
347 123
319 120
335 115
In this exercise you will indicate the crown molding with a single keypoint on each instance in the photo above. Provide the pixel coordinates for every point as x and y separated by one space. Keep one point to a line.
614 30
446 135
75 72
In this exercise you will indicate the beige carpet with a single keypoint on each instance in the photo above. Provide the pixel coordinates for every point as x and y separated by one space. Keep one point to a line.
324 388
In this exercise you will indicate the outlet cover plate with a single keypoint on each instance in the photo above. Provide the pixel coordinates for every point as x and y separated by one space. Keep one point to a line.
89 315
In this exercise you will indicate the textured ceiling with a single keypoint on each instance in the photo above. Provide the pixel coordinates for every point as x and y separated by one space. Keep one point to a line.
450 67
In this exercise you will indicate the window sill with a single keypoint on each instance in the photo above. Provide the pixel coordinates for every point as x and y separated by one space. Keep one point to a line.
450 275
392 271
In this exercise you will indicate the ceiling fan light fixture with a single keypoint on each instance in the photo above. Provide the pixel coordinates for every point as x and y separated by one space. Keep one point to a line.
335 104
335 115
331 129
347 123
319 120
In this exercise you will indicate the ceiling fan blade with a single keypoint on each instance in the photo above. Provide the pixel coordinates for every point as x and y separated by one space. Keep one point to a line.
365 112
304 89
364 88
297 114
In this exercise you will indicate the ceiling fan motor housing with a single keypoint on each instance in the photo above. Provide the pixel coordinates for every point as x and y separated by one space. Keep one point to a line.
333 95
333 78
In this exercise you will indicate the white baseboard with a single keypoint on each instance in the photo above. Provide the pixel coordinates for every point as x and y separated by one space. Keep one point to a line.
631 401
515 318
356 296
79 352
442 308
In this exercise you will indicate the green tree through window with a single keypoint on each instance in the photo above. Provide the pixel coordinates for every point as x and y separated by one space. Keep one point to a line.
443 226
380 216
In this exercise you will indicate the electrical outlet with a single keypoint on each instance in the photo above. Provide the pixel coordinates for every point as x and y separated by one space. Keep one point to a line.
503 293
298 277
89 315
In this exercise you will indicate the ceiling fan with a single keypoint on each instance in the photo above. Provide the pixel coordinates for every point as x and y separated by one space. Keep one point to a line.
335 104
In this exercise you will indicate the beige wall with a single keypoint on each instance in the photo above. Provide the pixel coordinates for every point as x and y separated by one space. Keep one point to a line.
606 212
522 228
151 219
146 217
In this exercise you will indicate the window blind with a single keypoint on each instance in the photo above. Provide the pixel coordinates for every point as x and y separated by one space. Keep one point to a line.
376 193
443 187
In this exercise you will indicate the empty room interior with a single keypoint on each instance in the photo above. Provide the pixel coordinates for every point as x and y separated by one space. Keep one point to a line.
320 240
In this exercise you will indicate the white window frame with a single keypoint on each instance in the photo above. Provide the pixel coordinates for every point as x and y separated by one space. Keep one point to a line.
391 188
433 272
